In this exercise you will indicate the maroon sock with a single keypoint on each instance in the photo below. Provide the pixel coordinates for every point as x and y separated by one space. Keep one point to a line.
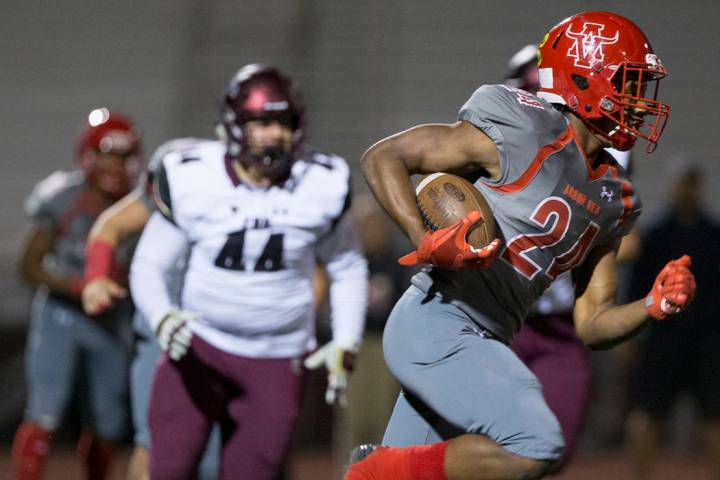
96 454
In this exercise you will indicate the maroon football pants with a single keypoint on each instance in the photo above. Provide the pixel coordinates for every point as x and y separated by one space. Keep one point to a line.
256 402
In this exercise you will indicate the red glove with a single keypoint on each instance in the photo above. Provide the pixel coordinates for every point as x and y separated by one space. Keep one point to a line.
673 291
448 248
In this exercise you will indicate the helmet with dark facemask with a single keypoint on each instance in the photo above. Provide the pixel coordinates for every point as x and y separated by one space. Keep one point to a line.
112 133
261 92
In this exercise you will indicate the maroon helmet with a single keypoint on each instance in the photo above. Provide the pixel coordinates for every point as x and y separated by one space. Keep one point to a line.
111 133
261 92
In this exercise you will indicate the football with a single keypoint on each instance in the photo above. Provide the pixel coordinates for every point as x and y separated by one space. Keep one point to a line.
444 199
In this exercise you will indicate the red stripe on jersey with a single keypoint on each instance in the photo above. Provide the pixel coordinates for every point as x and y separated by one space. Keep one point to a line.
84 202
627 193
537 162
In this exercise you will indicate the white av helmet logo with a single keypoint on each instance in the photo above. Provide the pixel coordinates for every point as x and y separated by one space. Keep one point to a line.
587 47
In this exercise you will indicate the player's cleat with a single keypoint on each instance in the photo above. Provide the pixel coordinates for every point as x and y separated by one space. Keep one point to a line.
358 454
361 452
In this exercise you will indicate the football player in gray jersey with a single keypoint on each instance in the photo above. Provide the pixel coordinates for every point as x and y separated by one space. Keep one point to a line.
470 409
63 341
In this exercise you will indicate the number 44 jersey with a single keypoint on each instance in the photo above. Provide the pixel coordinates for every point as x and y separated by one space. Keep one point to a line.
552 207
254 250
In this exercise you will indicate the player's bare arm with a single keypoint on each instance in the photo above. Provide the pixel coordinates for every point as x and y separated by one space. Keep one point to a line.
116 224
599 322
602 324
125 218
459 148
41 243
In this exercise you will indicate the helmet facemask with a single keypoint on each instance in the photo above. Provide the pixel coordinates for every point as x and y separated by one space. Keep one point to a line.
262 93
634 109
272 161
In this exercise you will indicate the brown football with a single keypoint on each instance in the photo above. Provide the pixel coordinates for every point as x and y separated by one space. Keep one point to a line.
444 199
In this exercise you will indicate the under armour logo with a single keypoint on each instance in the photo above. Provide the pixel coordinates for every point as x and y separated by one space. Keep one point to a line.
587 47
607 194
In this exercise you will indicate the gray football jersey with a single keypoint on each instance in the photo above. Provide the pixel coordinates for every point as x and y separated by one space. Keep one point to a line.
58 204
550 205
61 204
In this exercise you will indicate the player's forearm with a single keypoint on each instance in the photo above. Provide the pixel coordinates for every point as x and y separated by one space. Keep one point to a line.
158 251
148 284
612 326
67 286
33 271
348 299
389 179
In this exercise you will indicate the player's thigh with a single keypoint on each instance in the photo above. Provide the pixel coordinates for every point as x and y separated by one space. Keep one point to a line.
52 358
262 418
475 384
564 373
107 360
410 425
142 369
179 421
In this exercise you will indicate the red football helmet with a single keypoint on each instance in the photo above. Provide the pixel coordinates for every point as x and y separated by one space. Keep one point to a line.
107 132
258 92
599 65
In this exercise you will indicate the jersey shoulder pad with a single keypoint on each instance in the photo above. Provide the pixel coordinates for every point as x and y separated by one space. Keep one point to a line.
326 179
45 199
174 167
501 104
180 149
318 161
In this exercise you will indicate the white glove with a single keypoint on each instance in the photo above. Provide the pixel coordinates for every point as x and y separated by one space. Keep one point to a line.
173 333
339 363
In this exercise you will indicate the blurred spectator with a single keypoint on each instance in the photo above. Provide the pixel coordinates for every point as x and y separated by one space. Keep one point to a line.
372 389
682 353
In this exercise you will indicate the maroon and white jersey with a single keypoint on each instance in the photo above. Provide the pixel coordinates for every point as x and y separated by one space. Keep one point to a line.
253 251
551 207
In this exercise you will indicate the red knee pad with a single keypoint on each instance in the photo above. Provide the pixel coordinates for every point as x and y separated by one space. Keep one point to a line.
30 449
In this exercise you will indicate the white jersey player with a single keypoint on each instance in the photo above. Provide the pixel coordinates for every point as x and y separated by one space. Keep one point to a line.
258 212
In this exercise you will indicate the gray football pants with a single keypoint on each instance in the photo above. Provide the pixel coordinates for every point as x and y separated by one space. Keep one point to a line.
455 382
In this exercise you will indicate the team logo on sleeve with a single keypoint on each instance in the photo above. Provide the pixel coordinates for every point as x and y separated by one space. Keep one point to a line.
587 46
607 194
